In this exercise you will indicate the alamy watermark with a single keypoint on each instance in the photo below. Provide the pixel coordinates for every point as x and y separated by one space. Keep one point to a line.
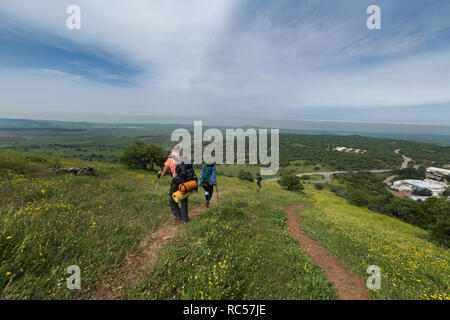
74 280
257 150
73 22
374 281
374 20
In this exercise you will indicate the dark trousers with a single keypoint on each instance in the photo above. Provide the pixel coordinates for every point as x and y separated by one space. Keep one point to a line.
210 189
176 211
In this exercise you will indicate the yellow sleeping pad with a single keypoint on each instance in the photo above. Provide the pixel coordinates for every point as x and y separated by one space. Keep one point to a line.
178 196
188 186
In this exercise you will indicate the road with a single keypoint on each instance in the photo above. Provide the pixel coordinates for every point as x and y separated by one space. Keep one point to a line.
327 175
406 160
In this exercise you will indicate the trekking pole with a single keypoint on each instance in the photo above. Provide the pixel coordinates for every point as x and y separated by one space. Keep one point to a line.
217 190
154 193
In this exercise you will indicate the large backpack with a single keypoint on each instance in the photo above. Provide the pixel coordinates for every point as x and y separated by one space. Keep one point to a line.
184 172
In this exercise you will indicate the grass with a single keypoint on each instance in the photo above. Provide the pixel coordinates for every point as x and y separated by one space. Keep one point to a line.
239 249
49 222
412 267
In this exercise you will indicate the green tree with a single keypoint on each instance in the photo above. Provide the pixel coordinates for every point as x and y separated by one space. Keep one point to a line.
291 182
140 155
245 175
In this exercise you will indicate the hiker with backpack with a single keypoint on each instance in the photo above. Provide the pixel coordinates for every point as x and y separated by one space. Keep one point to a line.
182 172
208 181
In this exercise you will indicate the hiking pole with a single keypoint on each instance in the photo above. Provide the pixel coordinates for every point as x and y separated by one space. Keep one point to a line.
154 193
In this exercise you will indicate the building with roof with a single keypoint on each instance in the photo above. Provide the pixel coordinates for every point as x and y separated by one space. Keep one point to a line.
411 186
350 150
439 171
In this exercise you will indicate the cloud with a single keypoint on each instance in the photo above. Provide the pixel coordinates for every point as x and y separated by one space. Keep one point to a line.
64 74
272 59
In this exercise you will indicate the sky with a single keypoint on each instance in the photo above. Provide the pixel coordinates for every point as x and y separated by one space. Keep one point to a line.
146 60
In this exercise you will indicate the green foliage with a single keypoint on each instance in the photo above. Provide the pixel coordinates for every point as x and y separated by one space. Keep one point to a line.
317 149
411 266
440 229
319 186
368 190
140 155
411 173
245 175
279 218
291 182
447 192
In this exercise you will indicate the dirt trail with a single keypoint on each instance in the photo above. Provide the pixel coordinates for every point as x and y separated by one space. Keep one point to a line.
350 287
136 264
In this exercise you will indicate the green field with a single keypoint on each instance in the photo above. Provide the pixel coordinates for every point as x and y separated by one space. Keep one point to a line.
240 248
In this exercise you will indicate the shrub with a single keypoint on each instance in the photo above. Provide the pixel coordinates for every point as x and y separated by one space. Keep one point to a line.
440 230
140 155
291 182
447 192
244 175
318 186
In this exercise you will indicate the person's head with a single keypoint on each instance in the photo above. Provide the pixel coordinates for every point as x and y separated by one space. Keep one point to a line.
176 151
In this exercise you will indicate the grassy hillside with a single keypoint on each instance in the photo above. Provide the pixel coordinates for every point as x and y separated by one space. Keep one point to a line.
238 249
412 266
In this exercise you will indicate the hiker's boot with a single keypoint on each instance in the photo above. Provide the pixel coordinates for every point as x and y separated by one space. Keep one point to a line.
207 203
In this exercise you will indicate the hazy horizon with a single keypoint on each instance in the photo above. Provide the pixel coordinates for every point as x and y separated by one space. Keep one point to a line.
318 126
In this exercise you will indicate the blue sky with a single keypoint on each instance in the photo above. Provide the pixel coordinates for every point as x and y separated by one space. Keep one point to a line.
261 59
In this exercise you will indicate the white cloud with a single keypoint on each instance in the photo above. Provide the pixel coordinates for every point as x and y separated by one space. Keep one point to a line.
194 58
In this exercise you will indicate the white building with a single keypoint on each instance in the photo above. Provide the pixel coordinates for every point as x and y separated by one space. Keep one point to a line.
439 171
350 150
436 188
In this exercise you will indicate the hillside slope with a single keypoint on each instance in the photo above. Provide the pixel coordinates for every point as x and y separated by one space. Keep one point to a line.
240 248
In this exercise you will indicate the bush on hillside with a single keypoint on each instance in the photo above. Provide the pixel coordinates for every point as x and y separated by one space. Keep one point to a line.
291 182
245 175
319 186
140 155
440 230
447 192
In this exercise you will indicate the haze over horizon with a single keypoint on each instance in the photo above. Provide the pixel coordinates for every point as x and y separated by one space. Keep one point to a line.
234 60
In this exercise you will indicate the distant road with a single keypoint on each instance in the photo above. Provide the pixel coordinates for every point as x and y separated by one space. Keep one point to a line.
327 175
406 160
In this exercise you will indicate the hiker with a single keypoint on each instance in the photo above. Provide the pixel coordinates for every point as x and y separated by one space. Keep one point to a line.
182 171
208 181
259 181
